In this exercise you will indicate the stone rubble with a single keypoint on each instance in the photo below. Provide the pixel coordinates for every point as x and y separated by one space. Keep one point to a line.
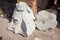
23 20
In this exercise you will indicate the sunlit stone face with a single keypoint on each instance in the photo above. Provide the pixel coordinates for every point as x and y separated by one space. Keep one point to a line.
23 20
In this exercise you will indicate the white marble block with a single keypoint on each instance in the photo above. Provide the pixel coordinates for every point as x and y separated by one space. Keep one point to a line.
45 20
23 20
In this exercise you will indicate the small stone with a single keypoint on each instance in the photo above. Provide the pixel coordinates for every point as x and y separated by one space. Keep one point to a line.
2 16
45 20
37 39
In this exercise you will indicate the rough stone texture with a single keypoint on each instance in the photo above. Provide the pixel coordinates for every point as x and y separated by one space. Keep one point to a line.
45 20
23 15
8 35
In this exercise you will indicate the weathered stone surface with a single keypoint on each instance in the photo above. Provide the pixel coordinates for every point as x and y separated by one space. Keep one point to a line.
23 20
45 20
8 35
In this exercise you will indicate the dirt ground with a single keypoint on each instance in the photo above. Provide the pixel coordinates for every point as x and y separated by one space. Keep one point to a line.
41 35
